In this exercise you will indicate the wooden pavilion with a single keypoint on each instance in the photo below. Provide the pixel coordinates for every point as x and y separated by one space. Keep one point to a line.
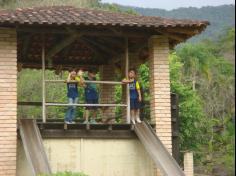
60 37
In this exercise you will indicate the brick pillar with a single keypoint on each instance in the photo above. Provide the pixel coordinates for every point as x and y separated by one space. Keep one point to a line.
8 102
188 164
160 89
107 94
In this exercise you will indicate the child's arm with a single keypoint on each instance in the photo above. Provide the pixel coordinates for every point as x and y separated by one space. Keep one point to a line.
139 95
139 91
68 78
81 79
127 81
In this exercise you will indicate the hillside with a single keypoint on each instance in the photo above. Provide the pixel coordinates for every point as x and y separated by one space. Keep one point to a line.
221 17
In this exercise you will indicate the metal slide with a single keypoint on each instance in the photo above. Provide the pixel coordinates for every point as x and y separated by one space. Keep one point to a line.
33 146
160 155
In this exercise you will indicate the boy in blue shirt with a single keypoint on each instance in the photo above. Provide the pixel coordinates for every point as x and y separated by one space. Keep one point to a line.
72 93
91 96
135 96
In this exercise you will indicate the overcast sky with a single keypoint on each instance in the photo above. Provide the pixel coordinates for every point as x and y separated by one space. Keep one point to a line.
171 4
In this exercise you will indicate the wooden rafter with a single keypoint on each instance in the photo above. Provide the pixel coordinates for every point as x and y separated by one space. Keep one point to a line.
65 65
66 51
177 37
92 43
139 46
102 47
114 61
98 48
115 31
186 31
88 32
93 48
113 42
61 45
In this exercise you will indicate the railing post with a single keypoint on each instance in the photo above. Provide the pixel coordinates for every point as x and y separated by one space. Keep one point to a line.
127 75
43 81
188 164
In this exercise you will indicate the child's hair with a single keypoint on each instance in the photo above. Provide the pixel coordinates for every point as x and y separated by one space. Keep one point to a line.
73 69
133 69
92 70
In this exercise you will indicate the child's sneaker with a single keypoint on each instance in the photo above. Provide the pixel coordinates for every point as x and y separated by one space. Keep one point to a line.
67 122
133 121
86 122
138 120
93 121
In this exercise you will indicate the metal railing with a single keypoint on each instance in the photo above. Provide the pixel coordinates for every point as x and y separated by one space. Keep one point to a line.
44 81
46 104
95 82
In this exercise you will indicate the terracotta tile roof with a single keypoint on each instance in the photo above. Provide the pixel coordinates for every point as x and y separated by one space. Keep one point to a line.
67 15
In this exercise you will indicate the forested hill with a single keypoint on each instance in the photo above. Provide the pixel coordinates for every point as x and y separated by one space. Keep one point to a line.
221 17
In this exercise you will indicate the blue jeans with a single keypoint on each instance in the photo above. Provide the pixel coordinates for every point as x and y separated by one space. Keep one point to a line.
70 114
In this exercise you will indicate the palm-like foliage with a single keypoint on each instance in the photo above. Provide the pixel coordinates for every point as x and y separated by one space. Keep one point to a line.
196 61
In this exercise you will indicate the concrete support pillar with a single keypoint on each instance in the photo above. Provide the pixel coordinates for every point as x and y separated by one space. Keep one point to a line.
8 102
160 89
188 164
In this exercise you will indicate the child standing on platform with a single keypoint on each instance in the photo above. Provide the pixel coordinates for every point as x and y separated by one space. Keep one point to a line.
91 97
135 96
72 93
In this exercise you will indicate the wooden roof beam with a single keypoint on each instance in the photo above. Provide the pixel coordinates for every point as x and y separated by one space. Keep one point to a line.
63 65
113 42
139 46
89 42
104 48
87 31
61 45
98 48
94 49
187 31
179 38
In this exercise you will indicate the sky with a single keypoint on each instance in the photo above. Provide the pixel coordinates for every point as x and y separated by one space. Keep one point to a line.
171 4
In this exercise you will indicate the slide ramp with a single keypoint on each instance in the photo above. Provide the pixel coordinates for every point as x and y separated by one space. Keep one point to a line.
160 155
33 146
